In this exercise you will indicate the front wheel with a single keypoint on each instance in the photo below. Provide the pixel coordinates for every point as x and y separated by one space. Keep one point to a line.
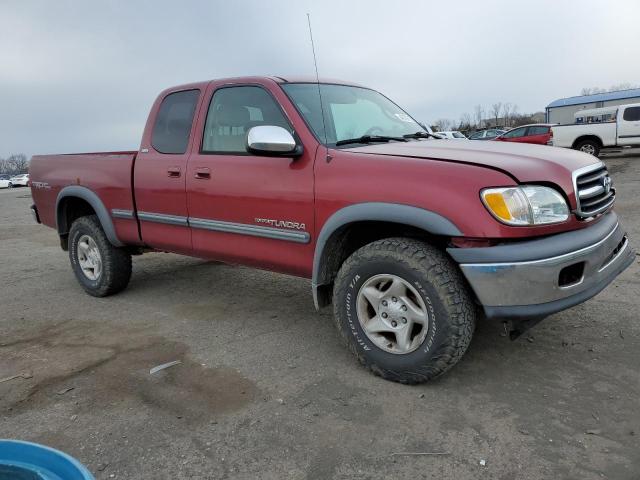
100 268
403 309
589 146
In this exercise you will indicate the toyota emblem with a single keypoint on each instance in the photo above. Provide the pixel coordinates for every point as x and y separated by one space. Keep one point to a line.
606 183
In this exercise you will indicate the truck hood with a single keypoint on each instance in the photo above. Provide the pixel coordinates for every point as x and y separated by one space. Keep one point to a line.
523 162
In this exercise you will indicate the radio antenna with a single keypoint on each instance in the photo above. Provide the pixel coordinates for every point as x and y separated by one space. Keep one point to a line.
315 63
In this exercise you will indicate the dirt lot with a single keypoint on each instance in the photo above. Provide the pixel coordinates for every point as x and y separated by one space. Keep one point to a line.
266 390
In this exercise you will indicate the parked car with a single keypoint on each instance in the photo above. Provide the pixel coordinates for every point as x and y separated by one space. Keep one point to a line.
539 133
452 135
598 131
488 134
408 237
21 180
4 176
5 183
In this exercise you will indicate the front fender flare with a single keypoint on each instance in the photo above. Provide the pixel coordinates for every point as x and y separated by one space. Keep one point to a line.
92 199
430 222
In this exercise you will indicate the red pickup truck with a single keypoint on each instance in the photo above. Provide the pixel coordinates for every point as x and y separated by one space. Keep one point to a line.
410 237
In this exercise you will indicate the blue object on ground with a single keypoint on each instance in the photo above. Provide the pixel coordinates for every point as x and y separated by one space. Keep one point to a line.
30 461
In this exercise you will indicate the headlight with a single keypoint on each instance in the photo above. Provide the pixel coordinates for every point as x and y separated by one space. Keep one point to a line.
526 205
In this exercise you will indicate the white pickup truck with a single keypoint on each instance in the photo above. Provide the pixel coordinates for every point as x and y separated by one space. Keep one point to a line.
600 128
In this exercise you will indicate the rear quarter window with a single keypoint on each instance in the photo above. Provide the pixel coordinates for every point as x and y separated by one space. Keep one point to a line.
173 122
538 131
631 114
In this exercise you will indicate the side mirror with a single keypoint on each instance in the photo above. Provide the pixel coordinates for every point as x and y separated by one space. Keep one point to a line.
272 140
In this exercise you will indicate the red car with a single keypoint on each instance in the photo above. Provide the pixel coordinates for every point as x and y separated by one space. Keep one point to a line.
539 133
409 237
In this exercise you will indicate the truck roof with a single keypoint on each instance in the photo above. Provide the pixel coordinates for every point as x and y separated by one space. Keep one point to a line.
255 79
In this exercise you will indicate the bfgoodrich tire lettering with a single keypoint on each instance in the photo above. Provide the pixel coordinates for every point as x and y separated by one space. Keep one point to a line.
115 270
444 294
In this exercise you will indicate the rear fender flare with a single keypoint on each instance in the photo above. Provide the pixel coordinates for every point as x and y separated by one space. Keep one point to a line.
430 222
92 199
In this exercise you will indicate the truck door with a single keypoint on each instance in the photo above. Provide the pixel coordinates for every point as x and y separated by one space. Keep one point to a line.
244 207
629 126
160 172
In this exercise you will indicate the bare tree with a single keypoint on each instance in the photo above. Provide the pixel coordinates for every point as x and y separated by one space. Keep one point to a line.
17 163
443 124
507 108
623 86
496 108
515 116
465 121
592 90
478 112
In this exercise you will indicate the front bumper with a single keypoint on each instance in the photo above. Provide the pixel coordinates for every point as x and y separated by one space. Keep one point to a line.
535 278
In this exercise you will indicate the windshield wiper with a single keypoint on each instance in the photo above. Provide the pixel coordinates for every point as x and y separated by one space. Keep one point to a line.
369 139
422 134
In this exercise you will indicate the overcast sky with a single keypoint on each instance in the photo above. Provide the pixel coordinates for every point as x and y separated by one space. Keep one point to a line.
81 75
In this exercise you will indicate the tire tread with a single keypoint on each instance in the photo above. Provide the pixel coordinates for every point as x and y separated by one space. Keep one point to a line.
116 262
445 277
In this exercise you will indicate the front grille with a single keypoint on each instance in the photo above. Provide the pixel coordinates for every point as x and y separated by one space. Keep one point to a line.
594 193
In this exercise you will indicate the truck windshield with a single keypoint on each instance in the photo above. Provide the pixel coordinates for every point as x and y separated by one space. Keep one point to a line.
349 112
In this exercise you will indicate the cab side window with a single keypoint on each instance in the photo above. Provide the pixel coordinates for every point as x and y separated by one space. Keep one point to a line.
173 122
233 112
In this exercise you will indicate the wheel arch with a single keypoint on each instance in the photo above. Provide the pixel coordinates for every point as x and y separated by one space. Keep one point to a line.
335 241
73 201
582 138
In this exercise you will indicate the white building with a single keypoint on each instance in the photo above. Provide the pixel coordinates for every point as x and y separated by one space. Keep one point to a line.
562 110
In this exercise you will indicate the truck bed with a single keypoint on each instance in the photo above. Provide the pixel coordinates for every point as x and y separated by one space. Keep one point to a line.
107 174
566 135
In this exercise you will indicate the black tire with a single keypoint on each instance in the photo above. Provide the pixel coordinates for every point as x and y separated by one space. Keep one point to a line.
116 262
591 147
440 284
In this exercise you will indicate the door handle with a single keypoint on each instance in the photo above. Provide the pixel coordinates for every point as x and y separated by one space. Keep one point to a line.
173 172
203 173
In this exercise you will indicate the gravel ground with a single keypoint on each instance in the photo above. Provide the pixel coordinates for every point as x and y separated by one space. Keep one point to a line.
266 390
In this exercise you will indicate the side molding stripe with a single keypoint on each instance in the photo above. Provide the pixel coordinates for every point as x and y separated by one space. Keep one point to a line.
219 226
125 214
253 230
162 218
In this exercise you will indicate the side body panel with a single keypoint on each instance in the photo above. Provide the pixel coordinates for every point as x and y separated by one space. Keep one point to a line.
107 175
540 139
566 135
629 130
449 189
160 186
232 197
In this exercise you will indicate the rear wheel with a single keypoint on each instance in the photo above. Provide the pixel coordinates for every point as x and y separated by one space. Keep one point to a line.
403 309
101 268
592 147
